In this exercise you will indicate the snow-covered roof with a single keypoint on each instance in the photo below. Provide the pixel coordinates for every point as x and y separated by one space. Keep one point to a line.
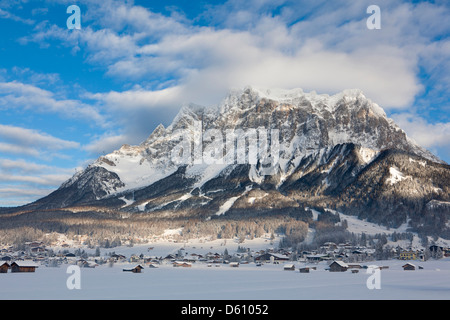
341 263
26 263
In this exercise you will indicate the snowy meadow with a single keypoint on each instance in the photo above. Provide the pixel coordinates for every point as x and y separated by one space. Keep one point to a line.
206 281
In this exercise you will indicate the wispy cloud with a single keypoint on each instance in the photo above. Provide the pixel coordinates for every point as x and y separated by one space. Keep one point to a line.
20 95
8 15
33 138
428 135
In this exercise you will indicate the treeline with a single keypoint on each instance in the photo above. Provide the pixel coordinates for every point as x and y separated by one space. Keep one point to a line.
108 230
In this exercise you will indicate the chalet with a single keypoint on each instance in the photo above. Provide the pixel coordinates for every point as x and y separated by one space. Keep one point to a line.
304 270
23 266
4 266
289 267
409 266
338 266
234 264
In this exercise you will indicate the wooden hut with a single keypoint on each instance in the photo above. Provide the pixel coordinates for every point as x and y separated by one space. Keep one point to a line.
289 267
136 269
23 266
338 266
4 266
409 266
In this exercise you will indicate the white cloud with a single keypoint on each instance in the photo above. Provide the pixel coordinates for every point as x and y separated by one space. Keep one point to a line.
204 62
42 180
30 138
428 135
23 181
8 15
15 94
15 149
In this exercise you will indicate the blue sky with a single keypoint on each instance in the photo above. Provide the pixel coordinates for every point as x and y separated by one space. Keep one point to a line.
68 96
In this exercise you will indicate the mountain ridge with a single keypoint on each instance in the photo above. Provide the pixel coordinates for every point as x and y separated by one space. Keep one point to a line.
339 152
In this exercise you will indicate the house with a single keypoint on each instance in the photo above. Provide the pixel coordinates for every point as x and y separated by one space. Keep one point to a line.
289 267
409 266
338 266
23 266
408 255
304 270
4 266
234 264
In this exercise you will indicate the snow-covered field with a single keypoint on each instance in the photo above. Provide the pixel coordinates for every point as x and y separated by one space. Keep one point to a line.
222 282
247 282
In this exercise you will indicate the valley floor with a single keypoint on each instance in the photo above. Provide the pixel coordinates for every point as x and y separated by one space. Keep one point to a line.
222 282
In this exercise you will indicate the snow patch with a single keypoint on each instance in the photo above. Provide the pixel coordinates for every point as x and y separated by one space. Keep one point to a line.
227 205
367 155
396 176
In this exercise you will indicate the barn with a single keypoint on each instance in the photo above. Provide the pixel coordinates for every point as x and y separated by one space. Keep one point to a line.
409 266
338 266
289 267
136 269
4 266
23 266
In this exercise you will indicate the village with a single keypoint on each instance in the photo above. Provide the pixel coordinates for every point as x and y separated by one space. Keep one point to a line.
335 257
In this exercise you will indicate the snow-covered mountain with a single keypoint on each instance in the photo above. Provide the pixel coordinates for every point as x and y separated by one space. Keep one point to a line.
302 150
